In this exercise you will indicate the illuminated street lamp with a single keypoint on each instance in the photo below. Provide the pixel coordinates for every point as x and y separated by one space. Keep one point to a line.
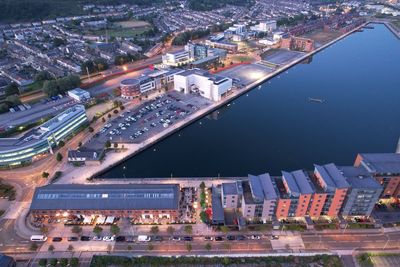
125 68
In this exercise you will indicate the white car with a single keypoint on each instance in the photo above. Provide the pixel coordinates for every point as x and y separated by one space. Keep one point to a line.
255 237
109 238
97 238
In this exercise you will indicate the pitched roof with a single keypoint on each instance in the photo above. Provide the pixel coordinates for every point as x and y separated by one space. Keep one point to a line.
298 182
331 176
381 162
106 197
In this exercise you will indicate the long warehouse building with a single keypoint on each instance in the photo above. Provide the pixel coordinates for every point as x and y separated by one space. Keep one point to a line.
39 141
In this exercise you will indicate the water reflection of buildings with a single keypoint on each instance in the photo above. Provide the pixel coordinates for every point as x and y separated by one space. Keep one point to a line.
307 60
217 114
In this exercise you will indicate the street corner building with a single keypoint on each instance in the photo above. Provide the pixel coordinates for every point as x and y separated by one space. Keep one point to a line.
94 204
39 141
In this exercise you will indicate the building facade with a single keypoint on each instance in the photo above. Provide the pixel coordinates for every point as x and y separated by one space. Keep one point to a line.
38 142
151 203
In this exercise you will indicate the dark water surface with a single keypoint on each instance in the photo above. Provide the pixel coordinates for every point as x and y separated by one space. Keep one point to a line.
277 128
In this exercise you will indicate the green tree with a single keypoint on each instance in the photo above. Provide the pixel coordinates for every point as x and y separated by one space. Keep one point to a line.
203 216
70 247
188 229
91 130
202 186
189 247
44 229
115 145
107 144
150 247
61 143
50 88
225 229
208 246
114 229
154 230
45 175
43 262
12 89
63 262
74 262
76 229
33 247
51 248
97 230
42 76
13 100
103 120
53 261
59 157
170 230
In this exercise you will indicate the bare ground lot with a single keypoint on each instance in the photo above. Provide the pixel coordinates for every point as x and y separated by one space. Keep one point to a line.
322 37
132 24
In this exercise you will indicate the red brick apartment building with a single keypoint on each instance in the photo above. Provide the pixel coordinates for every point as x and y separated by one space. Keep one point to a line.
298 44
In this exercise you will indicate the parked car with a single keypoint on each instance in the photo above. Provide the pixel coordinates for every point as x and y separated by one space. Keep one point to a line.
255 237
274 237
157 238
109 238
219 238
73 238
120 239
208 238
57 239
85 238
188 238
97 238
231 237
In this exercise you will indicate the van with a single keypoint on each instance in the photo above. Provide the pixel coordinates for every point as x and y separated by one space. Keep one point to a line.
38 238
143 238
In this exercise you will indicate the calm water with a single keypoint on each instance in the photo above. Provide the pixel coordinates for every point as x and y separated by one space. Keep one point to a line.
276 128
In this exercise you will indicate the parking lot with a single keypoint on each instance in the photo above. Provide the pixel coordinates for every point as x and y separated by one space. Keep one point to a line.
148 119
243 75
281 56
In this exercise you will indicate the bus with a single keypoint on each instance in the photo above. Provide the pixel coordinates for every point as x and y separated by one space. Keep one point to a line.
38 238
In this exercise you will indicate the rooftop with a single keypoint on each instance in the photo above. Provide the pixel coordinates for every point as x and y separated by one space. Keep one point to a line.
381 162
359 178
229 188
216 205
331 176
298 182
106 197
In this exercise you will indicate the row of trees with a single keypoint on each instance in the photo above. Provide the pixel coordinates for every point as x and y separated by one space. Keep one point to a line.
59 86
207 5
184 37
93 66
123 59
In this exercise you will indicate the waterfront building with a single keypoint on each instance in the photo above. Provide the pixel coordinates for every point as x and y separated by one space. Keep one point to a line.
259 198
296 195
332 181
141 203
298 44
217 210
222 45
265 26
364 191
154 80
385 168
231 194
79 94
39 141
88 157
201 82
176 59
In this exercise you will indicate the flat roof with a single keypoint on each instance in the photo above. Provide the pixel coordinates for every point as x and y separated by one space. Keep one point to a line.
230 188
381 162
331 176
298 182
106 197
216 205
359 177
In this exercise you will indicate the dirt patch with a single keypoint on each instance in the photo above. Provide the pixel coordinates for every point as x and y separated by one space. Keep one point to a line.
132 24
322 37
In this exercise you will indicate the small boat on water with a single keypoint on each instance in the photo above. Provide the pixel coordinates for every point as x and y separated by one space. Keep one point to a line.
318 100
259 87
228 105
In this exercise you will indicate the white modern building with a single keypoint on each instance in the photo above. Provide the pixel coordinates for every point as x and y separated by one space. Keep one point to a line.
265 26
201 82
177 58
79 94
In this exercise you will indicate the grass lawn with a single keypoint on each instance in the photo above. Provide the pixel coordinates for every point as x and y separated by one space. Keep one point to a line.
34 86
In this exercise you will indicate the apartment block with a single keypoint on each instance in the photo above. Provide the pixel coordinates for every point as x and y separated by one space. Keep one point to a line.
385 168
259 198
364 191
231 194
331 180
